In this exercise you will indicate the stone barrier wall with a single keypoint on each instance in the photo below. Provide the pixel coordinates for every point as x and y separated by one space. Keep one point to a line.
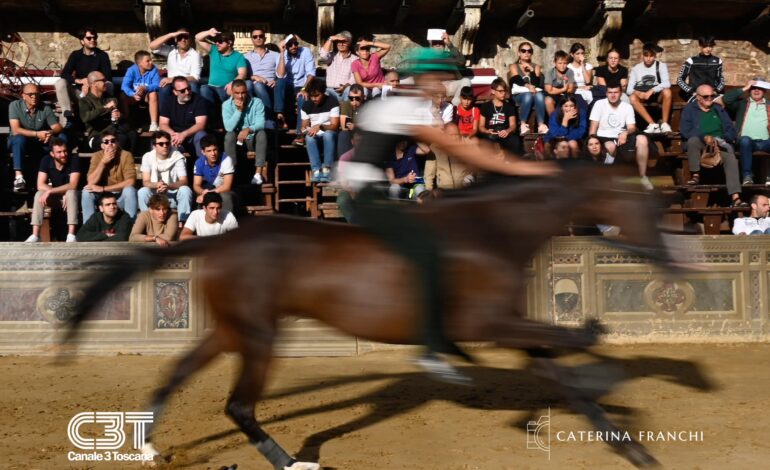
571 280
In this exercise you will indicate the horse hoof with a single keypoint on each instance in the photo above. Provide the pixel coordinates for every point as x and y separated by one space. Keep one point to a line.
149 454
303 466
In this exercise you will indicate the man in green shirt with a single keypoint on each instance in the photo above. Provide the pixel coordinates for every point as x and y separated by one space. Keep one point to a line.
751 109
33 124
225 65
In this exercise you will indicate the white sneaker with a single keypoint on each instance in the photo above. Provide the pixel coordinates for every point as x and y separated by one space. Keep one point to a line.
71 238
524 128
665 128
19 184
652 128
32 239
542 129
257 179
154 127
646 183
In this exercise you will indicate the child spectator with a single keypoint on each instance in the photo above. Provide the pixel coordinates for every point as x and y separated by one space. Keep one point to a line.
498 118
569 123
140 85
404 171
559 81
527 88
612 71
702 68
466 115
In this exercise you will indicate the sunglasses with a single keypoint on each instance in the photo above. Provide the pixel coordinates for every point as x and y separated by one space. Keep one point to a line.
108 141
183 90
221 41
292 44
183 38
257 36
91 38
708 97
526 51
163 143
356 98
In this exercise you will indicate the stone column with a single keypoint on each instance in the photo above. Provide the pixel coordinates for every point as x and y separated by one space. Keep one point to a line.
325 23
465 37
613 21
154 17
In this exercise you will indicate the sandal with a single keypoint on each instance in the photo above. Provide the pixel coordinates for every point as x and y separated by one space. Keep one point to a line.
694 180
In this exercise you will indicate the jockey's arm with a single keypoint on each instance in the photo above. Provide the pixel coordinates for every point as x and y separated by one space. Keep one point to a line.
473 155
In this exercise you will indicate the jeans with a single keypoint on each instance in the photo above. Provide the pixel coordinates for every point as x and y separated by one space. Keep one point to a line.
215 95
127 202
340 96
192 144
525 101
329 139
180 199
343 143
264 93
166 93
285 96
20 145
256 143
748 146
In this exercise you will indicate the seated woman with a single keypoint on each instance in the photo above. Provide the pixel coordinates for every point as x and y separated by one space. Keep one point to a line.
582 70
526 80
157 224
569 123
404 172
367 70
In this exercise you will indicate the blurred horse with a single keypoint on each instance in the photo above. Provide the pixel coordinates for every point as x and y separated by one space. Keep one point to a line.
340 275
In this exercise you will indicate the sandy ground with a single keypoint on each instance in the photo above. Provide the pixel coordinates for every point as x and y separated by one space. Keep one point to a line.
378 411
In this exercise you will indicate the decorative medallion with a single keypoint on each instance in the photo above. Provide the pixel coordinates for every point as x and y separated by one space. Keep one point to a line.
57 304
669 297
172 304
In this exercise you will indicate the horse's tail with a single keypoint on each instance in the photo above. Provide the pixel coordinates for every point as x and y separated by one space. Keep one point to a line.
115 270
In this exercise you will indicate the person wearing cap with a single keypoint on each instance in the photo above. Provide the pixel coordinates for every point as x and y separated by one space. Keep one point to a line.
751 109
339 75
382 124
225 65
648 82
181 61
704 68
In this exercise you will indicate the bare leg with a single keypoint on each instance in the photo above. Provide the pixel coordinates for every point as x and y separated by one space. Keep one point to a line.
666 99
153 100
642 154
574 149
550 105
638 105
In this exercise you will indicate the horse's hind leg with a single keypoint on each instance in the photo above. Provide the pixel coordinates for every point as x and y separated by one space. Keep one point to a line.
206 350
515 331
240 408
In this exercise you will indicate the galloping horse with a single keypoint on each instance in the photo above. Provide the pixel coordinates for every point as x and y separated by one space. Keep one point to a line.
338 274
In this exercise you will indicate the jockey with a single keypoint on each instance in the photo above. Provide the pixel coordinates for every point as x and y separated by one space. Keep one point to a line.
382 124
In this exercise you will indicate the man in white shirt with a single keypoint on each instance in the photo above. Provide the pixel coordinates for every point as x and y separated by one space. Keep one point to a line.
757 223
164 172
181 61
209 221
613 121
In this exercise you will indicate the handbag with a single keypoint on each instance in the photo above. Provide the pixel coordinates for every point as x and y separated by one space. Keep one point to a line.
711 156
539 148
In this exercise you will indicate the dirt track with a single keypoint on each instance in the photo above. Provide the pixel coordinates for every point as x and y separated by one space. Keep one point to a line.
377 411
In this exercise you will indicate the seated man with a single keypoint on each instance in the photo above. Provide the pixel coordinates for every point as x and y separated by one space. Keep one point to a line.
757 223
348 111
339 76
62 192
225 65
100 114
164 173
214 173
112 170
157 224
299 69
752 120
265 72
140 86
181 61
704 68
211 220
74 82
244 120
648 82
705 123
184 117
32 126
109 224
403 171
320 122
614 123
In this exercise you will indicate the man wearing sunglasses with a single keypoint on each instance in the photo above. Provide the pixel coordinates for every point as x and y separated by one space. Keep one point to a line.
32 126
751 109
75 72
705 123
163 172
181 61
100 113
299 64
266 68
111 170
225 65
348 111
184 117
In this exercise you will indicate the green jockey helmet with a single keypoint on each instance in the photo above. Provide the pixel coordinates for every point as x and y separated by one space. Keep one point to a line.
422 60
